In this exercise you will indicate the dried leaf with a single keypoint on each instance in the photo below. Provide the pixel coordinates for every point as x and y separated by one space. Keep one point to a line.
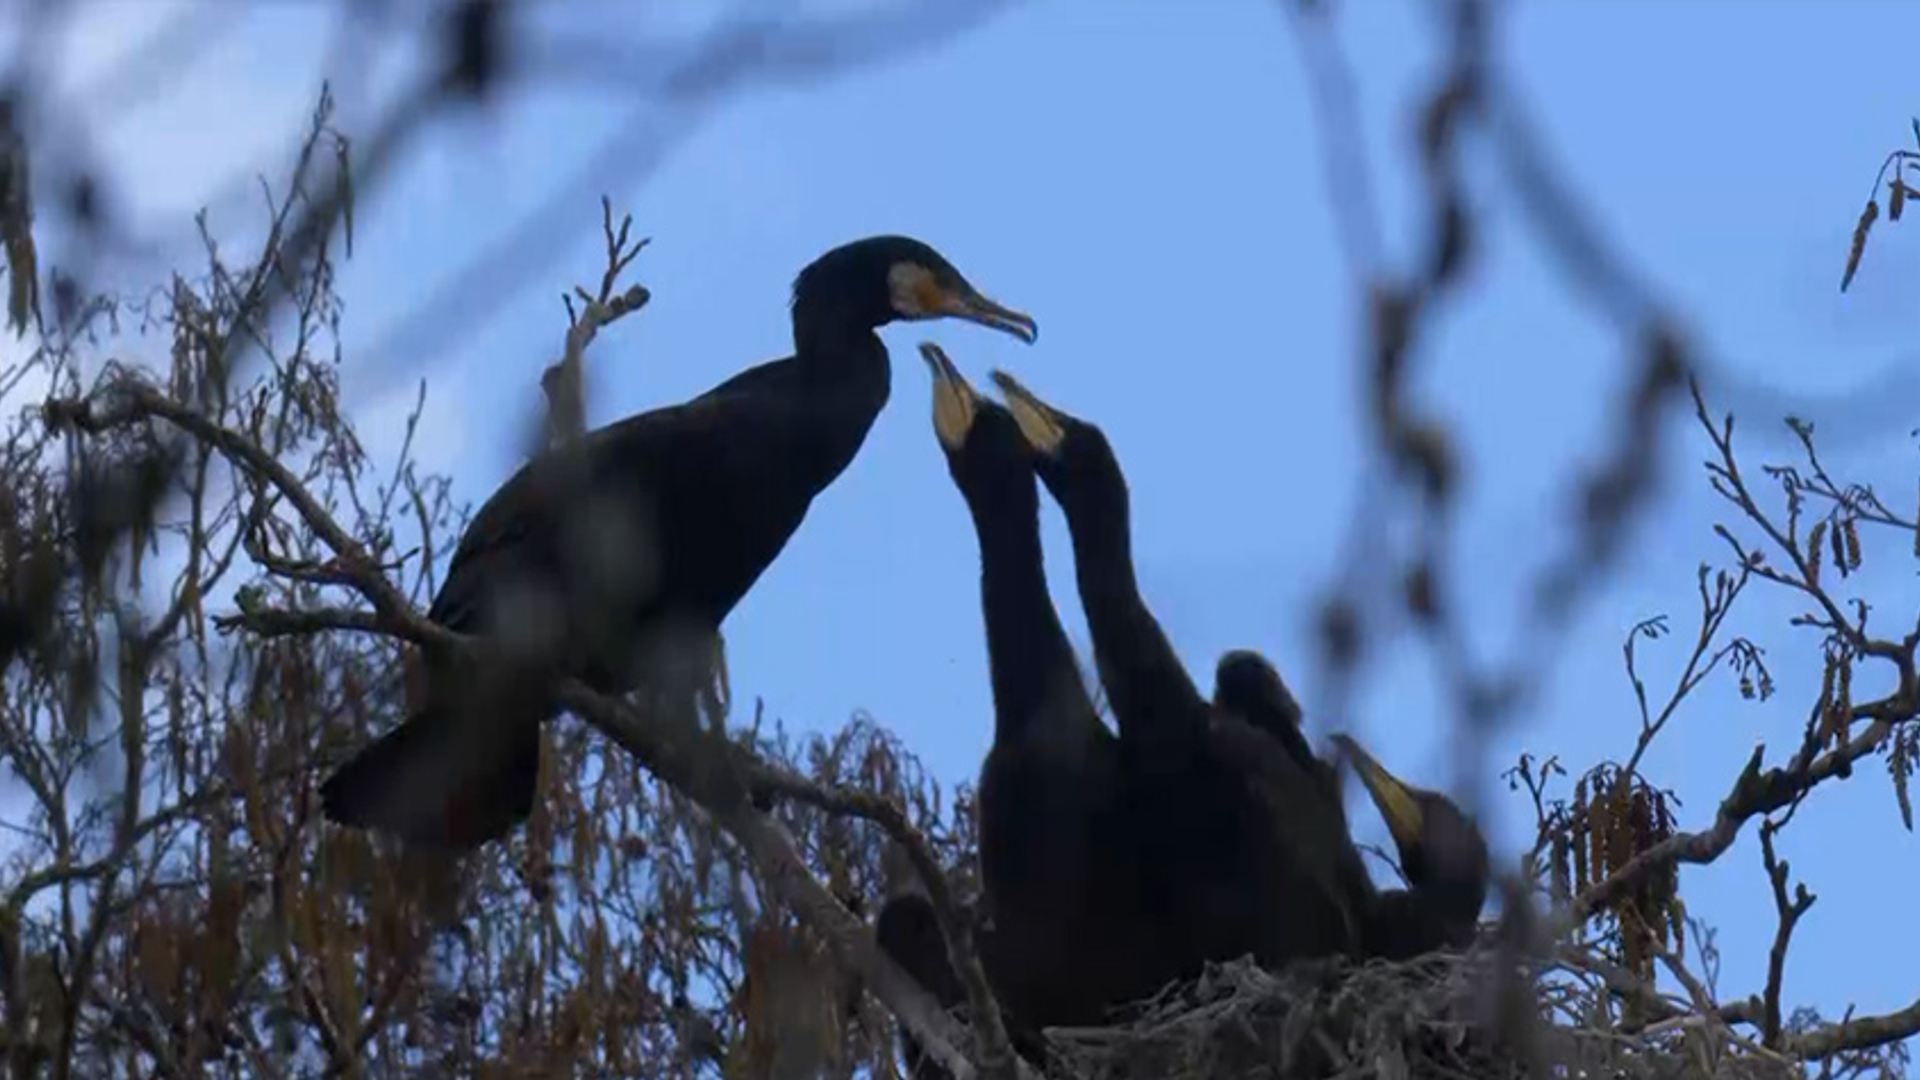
1859 245
1640 813
343 159
1577 836
1843 692
1562 878
1824 706
23 298
1900 766
1620 824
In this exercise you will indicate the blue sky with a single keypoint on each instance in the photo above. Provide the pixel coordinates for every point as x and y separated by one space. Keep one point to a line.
1147 180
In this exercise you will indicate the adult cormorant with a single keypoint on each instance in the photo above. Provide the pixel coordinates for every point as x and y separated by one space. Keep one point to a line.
1230 869
616 559
1443 854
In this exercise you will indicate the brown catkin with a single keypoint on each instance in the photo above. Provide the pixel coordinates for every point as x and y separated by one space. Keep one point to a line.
1577 836
1859 245
1620 810
1562 880
1597 832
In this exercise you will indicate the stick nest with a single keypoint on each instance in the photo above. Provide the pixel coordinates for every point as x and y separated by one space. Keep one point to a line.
1441 1016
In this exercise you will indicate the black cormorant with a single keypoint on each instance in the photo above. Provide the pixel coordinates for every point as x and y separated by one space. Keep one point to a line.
1444 856
1056 864
1247 686
1247 683
616 559
1442 852
908 931
1231 870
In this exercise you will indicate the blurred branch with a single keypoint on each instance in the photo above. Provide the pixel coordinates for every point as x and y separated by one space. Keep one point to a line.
563 382
674 89
996 1054
136 401
1831 1039
276 622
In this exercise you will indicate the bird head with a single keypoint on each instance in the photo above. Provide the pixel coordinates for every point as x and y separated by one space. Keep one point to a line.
1072 457
883 278
1248 683
986 453
1442 850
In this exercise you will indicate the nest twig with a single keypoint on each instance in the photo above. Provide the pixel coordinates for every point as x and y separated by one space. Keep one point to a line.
1430 1017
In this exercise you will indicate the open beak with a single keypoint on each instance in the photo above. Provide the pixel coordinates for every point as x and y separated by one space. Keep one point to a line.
1395 800
954 401
973 307
1037 420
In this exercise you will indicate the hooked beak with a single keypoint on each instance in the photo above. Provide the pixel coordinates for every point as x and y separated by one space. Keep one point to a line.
1395 800
954 401
975 308
1037 420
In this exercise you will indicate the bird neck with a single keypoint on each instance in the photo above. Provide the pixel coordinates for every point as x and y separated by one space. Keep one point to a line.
844 367
1103 561
1027 650
1453 900
1153 698
828 335
1404 923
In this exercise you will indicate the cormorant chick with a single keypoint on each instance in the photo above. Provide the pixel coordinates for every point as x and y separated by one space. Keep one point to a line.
1444 856
1232 867
1064 944
1246 685
1245 682
1055 869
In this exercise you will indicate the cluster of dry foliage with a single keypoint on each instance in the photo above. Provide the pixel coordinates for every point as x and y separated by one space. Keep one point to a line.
171 902
206 590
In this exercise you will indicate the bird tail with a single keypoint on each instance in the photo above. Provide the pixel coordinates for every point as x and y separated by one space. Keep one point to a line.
443 778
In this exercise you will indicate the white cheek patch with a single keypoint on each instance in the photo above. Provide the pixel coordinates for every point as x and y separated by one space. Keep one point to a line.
908 284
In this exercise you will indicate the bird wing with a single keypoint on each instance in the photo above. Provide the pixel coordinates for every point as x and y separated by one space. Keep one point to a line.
517 524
